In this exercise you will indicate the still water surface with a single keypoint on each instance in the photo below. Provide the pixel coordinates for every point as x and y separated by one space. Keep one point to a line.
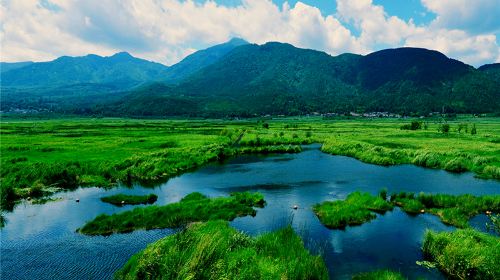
40 242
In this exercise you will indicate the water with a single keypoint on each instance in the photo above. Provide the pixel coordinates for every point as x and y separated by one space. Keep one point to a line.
40 242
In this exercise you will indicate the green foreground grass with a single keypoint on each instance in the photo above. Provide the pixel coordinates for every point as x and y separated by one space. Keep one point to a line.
358 207
379 275
214 250
124 199
194 207
464 254
40 157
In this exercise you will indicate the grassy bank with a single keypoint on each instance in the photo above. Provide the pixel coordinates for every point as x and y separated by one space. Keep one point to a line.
464 254
123 199
451 209
379 275
356 209
194 207
214 250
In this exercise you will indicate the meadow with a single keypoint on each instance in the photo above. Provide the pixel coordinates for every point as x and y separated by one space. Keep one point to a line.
40 157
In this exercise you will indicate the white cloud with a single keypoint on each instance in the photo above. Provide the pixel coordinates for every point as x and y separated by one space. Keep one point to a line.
477 16
167 30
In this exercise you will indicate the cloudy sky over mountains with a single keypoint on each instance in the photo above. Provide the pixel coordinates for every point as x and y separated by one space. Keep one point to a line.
168 30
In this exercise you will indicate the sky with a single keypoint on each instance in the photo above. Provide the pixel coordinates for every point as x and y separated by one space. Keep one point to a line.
166 31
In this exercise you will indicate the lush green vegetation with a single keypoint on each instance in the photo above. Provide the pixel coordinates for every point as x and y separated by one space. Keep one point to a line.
464 254
354 210
379 143
451 209
123 199
40 157
214 250
379 275
194 207
454 210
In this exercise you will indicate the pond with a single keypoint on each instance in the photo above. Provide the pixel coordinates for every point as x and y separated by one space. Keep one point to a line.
40 242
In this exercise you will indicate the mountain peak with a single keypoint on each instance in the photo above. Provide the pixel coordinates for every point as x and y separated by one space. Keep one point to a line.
122 55
236 41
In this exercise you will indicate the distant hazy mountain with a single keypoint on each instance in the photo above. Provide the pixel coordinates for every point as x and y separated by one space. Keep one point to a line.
121 71
237 78
7 66
200 59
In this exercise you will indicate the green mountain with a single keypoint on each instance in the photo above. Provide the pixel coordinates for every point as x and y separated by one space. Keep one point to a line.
200 59
277 78
241 79
120 71
7 66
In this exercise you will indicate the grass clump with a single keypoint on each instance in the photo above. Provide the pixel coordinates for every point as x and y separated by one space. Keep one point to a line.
124 199
383 274
356 209
214 250
464 254
195 207
454 210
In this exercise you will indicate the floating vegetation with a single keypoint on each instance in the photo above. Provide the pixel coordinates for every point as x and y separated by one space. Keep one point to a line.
194 207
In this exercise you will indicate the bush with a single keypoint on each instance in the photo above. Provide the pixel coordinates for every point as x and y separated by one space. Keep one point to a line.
444 128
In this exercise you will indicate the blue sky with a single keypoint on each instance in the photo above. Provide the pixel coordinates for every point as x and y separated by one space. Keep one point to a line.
168 30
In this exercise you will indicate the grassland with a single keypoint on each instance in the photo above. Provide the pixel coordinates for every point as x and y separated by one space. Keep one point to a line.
213 250
40 157
464 254
123 199
194 207
356 209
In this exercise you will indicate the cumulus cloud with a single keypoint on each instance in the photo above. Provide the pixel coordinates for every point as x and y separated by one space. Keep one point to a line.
168 30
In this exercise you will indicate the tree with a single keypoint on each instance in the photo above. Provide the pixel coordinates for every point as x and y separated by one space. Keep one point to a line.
473 130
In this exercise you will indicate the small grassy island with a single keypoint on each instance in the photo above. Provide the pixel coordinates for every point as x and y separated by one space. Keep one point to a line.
124 199
379 275
214 250
194 207
464 253
358 207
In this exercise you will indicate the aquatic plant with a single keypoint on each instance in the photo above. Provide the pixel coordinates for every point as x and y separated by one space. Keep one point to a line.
214 250
454 210
356 209
383 274
194 207
464 253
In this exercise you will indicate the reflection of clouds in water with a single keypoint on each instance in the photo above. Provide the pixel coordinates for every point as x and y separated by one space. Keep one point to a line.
336 242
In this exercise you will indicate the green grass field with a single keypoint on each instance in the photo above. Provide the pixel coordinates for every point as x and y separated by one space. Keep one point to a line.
43 156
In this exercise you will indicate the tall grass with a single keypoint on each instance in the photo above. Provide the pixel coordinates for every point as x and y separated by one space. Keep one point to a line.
213 250
454 210
464 254
192 208
356 209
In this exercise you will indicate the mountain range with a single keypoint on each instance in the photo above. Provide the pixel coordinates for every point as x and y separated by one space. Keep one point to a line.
242 79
